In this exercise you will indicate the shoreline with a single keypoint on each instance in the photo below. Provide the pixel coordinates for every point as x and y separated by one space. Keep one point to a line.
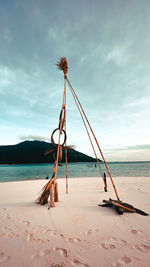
77 232
70 178
72 162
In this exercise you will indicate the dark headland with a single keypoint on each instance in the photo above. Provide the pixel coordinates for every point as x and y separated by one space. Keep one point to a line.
29 152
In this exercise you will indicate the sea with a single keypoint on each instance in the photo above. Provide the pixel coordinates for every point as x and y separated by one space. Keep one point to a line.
18 172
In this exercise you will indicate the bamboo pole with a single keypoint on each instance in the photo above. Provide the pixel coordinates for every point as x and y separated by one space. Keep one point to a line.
63 66
95 139
66 172
65 141
56 192
52 204
90 139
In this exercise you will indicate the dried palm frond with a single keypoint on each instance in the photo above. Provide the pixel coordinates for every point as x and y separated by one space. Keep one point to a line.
50 151
63 65
43 198
55 149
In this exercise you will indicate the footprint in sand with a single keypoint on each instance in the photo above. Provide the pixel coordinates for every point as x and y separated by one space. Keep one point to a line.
5 232
62 251
57 265
47 231
142 247
45 241
134 231
76 262
3 209
108 245
26 223
8 217
4 235
42 253
61 235
52 233
3 257
125 259
56 235
6 228
73 240
119 241
32 239
91 231
29 235
122 261
13 235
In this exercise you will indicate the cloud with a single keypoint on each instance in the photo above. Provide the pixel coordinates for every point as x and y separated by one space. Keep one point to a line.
139 147
134 147
135 102
118 55
129 153
7 76
33 137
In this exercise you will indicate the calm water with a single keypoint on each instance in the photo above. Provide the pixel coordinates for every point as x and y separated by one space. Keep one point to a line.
29 172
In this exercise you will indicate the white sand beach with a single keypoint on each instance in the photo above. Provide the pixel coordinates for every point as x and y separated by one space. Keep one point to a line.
77 232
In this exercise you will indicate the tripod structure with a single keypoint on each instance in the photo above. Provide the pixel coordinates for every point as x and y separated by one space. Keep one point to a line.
63 66
51 188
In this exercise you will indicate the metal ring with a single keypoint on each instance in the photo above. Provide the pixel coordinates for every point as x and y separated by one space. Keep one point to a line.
52 139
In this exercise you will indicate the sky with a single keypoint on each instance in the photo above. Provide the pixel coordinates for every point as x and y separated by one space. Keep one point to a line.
107 46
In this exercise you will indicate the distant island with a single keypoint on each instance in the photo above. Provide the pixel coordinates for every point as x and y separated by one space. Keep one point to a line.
30 152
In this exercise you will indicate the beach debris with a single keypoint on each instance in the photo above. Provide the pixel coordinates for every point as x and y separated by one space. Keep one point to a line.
45 192
122 207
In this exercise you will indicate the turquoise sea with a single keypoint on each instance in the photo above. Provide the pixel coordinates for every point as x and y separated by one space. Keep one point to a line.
31 171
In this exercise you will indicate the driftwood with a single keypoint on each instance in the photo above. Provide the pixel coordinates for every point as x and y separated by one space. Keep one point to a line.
122 207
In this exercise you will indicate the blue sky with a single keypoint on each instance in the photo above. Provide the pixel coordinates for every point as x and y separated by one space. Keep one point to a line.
107 46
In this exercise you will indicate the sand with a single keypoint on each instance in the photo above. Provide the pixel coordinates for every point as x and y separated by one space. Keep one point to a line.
77 232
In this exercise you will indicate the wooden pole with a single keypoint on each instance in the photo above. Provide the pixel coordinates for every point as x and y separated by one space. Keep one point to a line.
63 66
66 172
60 132
65 141
52 205
56 192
